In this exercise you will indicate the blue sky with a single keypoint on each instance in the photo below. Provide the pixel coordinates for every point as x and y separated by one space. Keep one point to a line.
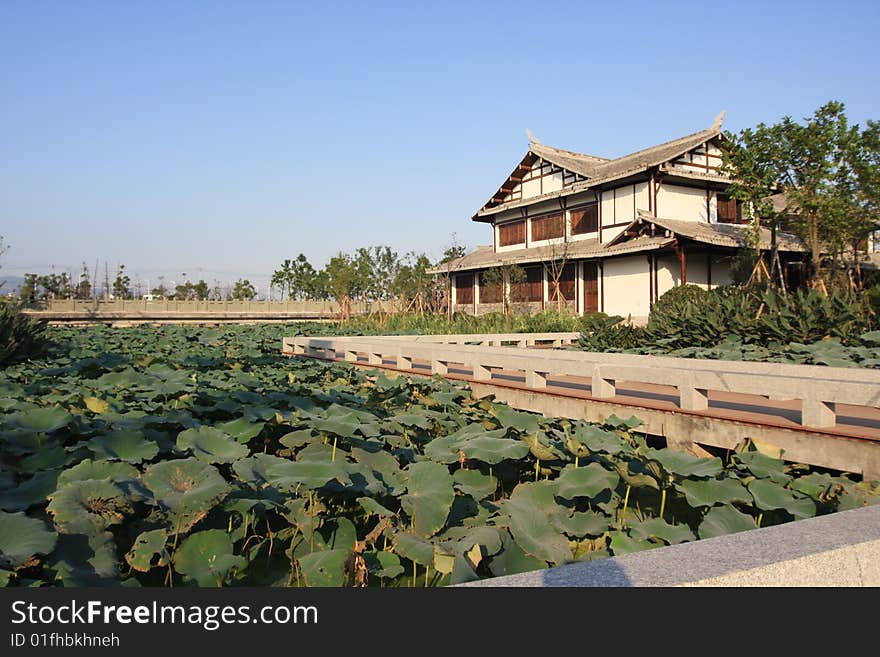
218 138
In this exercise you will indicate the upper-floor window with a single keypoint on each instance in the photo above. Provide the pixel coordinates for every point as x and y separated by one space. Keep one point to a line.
729 210
585 220
549 227
512 233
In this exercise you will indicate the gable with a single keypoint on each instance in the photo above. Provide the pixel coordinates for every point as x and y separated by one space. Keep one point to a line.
705 158
533 177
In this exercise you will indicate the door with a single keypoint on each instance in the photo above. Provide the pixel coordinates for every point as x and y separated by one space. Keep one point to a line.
591 287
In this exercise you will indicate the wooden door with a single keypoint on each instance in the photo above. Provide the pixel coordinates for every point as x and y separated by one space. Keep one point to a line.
591 287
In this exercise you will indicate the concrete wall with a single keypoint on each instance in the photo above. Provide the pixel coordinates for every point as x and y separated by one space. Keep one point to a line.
682 203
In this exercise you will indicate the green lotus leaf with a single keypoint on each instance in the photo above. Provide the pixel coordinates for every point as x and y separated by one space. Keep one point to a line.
85 559
211 445
19 441
298 438
370 505
242 429
763 466
709 492
206 558
587 481
51 457
89 504
339 532
684 464
721 520
414 548
188 488
21 538
529 523
817 485
597 439
6 576
539 449
637 474
325 568
629 423
253 470
42 420
429 496
410 420
462 571
146 547
379 461
474 483
580 524
124 445
340 425
622 544
88 469
508 417
382 564
659 528
488 538
492 450
312 475
32 491
512 559
769 496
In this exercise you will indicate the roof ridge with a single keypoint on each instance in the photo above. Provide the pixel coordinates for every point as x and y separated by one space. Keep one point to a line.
712 130
568 152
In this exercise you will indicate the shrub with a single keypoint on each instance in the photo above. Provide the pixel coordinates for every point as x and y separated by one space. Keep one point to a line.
20 335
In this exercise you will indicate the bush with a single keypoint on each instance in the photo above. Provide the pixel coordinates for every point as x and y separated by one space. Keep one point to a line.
20 335
601 332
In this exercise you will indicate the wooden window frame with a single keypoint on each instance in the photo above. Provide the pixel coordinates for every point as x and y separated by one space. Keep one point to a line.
592 208
506 228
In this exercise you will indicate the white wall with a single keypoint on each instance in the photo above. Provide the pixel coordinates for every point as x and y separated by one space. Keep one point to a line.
668 274
626 286
682 203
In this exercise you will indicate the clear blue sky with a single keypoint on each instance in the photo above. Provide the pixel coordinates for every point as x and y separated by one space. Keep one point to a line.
218 138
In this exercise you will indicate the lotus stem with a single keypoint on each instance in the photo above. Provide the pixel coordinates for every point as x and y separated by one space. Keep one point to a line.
427 570
415 571
625 504
333 453
662 503
577 461
760 518
537 468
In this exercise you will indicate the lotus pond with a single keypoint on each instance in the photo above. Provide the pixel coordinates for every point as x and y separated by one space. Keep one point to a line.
166 456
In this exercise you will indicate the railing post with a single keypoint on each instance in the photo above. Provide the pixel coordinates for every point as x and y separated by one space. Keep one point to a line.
819 414
403 362
692 399
536 379
351 356
439 366
374 358
600 386
481 373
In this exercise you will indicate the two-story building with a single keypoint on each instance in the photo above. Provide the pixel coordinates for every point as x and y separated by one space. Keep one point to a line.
615 233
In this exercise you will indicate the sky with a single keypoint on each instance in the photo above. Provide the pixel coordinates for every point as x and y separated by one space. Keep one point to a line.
217 138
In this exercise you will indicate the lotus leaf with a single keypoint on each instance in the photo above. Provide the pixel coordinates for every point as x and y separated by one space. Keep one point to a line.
597 439
22 538
81 507
211 445
188 488
206 557
524 422
684 464
242 429
291 475
125 445
146 546
512 559
659 528
588 481
580 524
325 568
769 496
474 483
622 544
721 520
43 420
30 492
382 564
708 492
414 548
429 496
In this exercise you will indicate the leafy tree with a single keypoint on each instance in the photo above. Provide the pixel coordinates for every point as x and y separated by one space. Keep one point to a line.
825 169
243 290
39 287
342 281
412 283
160 292
122 284
83 288
509 277
201 290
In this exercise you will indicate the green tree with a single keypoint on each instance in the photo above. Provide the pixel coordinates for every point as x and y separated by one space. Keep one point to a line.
243 290
122 284
509 277
342 278
83 288
824 170
413 285
201 290
161 292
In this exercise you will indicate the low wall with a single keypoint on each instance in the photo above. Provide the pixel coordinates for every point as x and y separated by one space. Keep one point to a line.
841 549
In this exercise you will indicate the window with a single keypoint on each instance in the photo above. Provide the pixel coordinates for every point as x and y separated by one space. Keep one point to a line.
489 293
532 288
464 288
729 210
512 233
547 228
585 220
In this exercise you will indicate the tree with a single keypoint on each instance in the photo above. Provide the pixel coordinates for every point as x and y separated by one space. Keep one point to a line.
160 292
201 290
412 284
122 284
443 285
342 274
557 255
243 290
83 288
506 281
826 172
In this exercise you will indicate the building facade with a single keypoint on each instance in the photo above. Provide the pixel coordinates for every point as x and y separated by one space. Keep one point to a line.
607 235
